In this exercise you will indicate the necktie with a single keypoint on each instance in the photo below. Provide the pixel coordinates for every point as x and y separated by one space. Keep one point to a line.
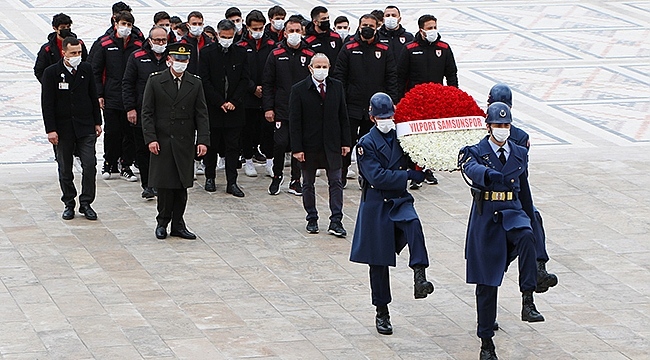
502 155
177 81
321 86
74 72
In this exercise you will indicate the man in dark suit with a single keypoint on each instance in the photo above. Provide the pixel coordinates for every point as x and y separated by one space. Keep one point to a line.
72 120
173 113
225 76
320 137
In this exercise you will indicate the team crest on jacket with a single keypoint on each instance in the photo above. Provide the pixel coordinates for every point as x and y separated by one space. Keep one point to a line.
360 150
378 54
438 53
303 59
333 44
402 39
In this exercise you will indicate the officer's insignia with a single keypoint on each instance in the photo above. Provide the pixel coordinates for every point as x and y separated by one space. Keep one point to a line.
278 124
181 49
502 113
333 44
378 54
486 157
402 39
360 150
303 59
438 53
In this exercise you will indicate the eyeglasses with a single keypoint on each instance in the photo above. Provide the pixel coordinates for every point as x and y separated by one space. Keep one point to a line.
159 41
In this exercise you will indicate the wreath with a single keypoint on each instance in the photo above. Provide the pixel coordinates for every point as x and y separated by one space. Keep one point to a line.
435 121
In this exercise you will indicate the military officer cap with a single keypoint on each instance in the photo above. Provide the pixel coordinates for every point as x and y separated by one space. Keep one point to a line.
501 93
498 113
179 51
381 106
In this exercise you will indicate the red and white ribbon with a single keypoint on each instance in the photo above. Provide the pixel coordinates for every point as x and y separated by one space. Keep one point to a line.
440 125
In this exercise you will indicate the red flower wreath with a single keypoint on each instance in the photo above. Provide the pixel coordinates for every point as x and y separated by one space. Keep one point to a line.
435 101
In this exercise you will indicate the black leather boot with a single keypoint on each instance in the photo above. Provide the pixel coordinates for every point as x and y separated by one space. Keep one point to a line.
545 279
528 310
487 350
382 321
422 288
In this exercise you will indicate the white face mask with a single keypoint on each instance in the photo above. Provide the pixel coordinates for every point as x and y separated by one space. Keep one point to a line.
500 134
158 49
320 74
74 61
239 26
432 35
123 31
385 125
391 22
277 24
294 39
226 42
196 30
257 34
168 28
179 67
179 37
343 33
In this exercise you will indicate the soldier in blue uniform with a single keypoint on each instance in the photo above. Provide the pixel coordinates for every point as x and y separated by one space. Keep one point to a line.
387 221
545 280
499 221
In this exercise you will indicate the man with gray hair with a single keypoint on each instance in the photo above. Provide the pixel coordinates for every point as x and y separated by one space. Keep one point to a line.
224 71
320 137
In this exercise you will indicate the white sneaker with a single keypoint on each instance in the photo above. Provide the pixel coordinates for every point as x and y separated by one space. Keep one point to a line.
221 163
269 170
317 172
127 175
249 169
76 164
199 168
351 174
135 169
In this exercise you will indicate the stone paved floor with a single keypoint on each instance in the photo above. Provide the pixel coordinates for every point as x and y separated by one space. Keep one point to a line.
255 285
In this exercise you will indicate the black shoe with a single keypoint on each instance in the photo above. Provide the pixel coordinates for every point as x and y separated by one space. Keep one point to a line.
487 350
528 310
161 232
295 187
68 213
88 212
277 181
210 186
259 158
148 193
382 321
421 288
415 185
429 178
183 233
344 181
312 226
234 190
545 279
155 191
495 327
336 229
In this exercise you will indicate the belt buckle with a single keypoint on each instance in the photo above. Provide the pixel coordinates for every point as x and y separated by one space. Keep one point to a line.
498 196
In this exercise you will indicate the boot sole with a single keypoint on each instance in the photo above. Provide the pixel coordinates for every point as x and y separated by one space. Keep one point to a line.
424 292
545 285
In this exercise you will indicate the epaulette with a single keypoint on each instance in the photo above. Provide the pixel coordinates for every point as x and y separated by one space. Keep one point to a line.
381 46
107 41
412 45
335 35
155 73
279 51
270 42
351 45
138 43
242 43
308 52
139 53
196 76
442 44
310 39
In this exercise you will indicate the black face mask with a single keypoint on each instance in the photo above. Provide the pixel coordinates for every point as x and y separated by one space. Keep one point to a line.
367 32
324 25
64 33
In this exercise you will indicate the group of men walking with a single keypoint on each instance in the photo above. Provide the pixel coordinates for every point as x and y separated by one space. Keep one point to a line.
248 90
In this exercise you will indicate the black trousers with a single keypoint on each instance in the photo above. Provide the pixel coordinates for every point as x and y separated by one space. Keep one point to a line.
281 146
227 138
257 131
358 128
171 207
335 186
141 155
85 148
418 256
118 138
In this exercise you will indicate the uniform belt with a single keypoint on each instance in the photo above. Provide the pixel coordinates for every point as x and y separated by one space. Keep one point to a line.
499 196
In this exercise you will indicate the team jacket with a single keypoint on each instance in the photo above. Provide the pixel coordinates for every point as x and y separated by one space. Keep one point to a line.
197 44
365 69
140 64
284 67
275 36
50 53
328 43
424 62
257 51
135 33
109 63
395 39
